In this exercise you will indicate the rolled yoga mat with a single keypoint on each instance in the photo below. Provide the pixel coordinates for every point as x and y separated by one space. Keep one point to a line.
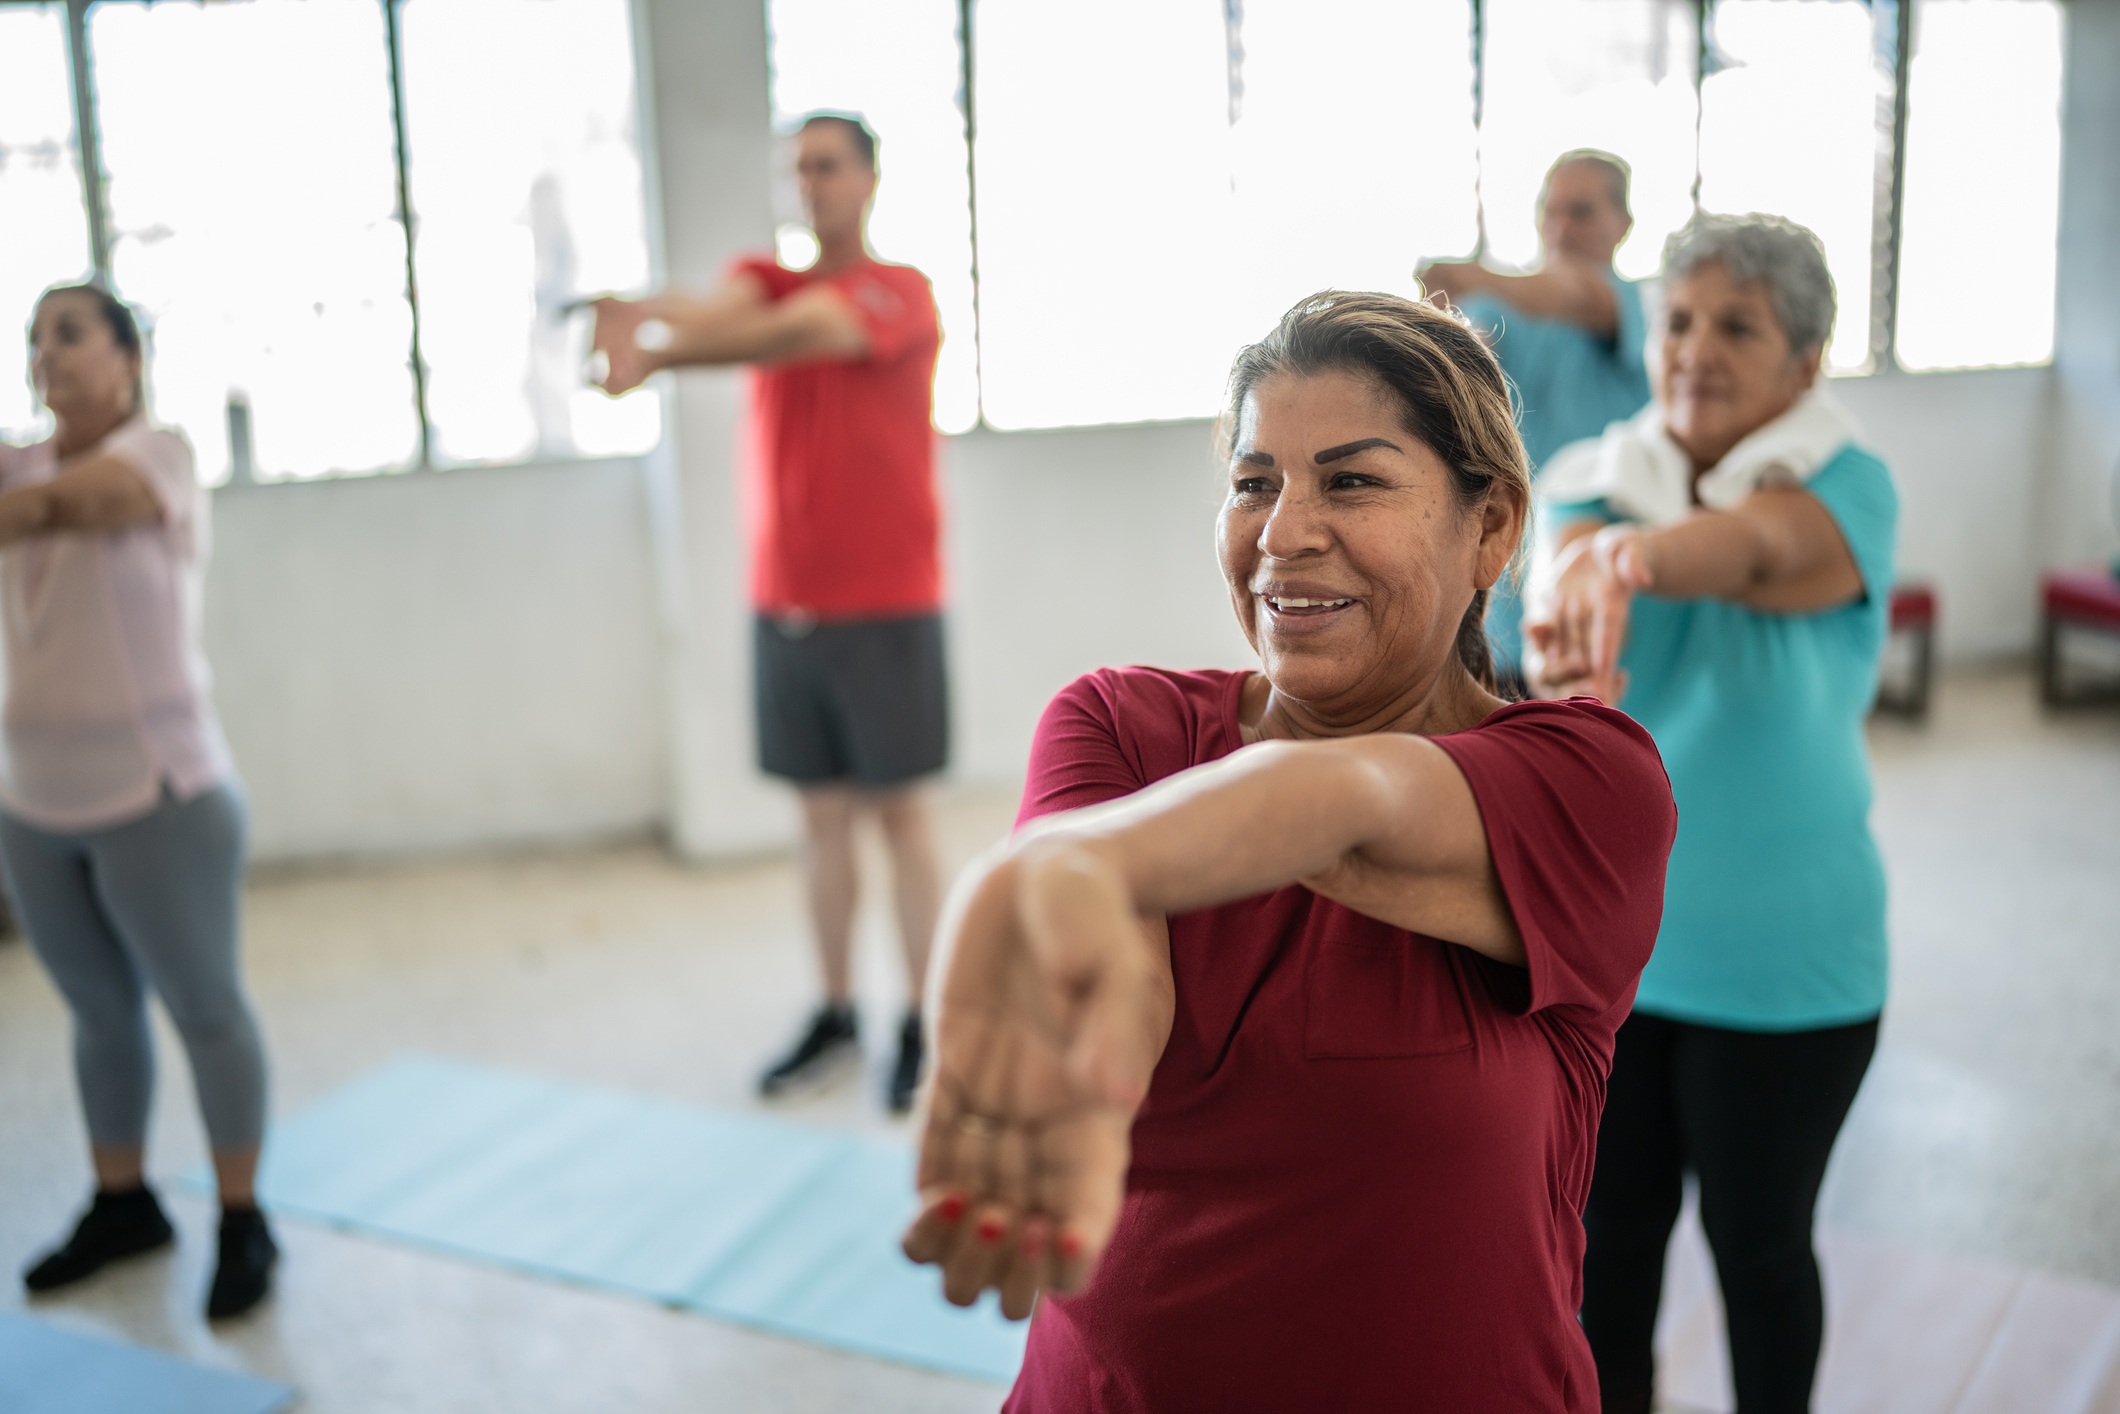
742 1216
46 1370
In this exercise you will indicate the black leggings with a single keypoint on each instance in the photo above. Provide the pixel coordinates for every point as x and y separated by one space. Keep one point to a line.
1753 1114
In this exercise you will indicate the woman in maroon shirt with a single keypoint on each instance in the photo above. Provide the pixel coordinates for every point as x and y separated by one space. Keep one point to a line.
1280 1039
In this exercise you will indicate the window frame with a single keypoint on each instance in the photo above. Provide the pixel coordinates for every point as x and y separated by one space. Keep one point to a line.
1893 25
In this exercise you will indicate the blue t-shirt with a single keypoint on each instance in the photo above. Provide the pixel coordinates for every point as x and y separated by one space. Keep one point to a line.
1774 901
1570 384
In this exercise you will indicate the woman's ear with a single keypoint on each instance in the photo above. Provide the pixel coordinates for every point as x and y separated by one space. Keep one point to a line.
1502 529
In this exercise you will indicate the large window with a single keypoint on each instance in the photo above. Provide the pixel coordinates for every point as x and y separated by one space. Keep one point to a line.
255 160
897 65
43 228
287 292
1617 75
1790 124
1103 170
526 185
1329 193
1983 179
1108 197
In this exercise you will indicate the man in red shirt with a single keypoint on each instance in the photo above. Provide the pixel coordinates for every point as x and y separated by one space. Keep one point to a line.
845 566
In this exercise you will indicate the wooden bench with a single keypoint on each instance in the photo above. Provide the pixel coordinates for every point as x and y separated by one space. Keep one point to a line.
2078 601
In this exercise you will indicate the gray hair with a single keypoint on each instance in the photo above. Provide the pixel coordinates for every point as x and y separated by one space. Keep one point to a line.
1773 250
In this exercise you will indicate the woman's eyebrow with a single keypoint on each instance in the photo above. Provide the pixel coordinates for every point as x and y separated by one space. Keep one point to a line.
1348 449
1252 456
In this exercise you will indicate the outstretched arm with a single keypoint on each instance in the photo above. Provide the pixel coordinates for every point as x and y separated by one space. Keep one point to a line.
101 492
735 324
1779 551
1571 291
1054 992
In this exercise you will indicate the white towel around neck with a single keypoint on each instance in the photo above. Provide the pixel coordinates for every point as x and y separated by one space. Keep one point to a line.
1638 471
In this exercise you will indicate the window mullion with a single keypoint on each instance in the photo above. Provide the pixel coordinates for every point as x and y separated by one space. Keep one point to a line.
1897 29
90 150
405 219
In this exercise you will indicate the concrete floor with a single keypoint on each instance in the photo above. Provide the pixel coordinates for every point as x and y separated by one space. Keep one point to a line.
1989 1127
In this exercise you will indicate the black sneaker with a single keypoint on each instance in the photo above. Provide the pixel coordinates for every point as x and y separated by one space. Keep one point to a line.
905 1076
832 1044
116 1225
244 1273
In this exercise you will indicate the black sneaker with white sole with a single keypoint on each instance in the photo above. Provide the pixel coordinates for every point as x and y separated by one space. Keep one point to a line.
905 1076
832 1044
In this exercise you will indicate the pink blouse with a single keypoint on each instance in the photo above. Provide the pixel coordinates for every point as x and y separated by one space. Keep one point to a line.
107 689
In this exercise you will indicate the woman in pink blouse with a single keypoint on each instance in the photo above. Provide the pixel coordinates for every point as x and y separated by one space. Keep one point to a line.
121 818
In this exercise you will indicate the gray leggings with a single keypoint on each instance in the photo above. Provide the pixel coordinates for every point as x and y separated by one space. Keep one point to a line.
154 901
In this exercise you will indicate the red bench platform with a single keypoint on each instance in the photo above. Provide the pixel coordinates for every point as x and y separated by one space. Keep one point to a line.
2082 600
1913 614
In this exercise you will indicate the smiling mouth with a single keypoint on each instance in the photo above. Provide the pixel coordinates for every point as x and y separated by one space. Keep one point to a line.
1303 608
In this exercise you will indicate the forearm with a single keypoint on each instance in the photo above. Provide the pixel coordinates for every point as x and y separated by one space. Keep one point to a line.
1708 555
1271 815
705 338
24 512
1559 292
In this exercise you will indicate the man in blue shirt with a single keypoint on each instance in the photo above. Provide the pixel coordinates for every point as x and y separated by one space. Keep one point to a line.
1569 334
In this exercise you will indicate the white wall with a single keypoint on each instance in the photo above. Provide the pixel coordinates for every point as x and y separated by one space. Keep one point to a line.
553 653
439 660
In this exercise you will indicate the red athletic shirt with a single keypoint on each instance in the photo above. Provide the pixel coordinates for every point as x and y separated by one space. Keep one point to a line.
1358 1178
844 520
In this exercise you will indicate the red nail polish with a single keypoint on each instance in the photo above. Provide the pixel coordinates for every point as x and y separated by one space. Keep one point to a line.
990 1230
950 1208
1070 1246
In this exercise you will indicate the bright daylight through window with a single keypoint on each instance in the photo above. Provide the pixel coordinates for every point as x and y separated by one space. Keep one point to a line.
43 226
1103 166
897 65
526 189
1326 192
1983 184
1616 76
1154 185
266 254
1789 124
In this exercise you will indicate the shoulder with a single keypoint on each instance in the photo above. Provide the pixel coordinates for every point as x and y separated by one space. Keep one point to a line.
1113 731
156 450
767 270
886 291
1857 467
1146 697
1572 749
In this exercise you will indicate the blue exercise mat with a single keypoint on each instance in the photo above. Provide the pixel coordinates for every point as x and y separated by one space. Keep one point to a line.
742 1216
46 1370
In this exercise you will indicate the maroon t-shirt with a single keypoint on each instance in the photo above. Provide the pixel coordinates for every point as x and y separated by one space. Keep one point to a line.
1358 1178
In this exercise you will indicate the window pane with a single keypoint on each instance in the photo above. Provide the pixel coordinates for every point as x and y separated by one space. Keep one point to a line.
1103 162
522 137
1983 180
898 66
43 224
252 194
1329 193
1615 74
1789 125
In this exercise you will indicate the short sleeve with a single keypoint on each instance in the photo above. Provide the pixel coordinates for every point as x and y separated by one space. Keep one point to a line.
1857 491
1076 757
1580 821
777 278
895 306
163 459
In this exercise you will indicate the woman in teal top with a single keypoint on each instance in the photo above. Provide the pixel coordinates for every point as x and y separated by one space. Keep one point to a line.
1569 334
1723 572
